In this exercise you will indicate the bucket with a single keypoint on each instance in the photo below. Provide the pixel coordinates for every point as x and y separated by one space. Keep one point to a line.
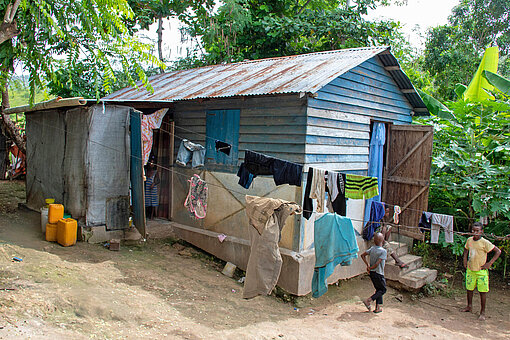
44 219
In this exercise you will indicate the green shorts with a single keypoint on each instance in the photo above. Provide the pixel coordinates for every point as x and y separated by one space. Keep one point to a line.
478 279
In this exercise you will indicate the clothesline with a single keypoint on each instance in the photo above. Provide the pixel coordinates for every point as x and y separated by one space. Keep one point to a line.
393 205
384 178
212 184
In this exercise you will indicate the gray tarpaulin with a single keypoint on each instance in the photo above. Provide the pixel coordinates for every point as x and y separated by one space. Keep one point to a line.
108 155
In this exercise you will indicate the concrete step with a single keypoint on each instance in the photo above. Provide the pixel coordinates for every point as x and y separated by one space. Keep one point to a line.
418 278
400 248
394 272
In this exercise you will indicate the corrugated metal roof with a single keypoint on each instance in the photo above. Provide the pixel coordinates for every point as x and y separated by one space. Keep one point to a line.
292 74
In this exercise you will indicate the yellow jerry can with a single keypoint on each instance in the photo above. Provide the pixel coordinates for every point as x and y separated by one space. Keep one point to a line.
51 232
67 229
55 213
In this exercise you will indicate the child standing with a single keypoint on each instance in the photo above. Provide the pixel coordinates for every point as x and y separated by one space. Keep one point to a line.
151 190
376 270
477 274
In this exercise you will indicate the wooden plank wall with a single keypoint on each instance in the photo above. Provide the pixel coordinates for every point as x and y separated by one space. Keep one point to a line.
273 125
338 131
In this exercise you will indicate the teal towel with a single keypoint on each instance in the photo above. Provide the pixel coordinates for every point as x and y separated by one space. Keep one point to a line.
335 244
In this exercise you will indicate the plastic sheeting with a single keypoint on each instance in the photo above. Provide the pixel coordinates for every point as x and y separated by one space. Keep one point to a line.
108 156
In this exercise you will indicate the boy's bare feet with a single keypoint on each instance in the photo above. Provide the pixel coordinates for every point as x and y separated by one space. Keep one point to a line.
378 310
481 317
367 304
467 309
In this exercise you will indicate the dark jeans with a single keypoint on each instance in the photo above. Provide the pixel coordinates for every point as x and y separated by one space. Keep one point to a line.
379 283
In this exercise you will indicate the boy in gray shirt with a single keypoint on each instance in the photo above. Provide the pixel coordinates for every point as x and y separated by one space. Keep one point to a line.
376 270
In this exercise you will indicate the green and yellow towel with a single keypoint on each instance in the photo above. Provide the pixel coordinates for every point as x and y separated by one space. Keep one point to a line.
359 187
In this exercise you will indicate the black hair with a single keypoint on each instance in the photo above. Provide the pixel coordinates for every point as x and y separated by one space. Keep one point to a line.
477 224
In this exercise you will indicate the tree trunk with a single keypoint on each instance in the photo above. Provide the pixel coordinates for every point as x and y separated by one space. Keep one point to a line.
160 40
10 128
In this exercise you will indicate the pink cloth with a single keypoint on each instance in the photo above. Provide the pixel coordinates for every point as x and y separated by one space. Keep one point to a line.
150 122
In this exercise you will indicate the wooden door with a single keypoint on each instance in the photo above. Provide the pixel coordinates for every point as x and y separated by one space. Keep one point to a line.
406 176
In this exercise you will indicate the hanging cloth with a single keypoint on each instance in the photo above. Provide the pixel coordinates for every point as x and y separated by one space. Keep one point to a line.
376 215
196 201
223 147
267 218
148 123
335 244
441 221
359 187
396 212
318 188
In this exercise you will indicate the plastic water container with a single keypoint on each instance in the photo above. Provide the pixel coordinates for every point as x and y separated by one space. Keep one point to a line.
49 201
67 228
55 213
51 232
44 219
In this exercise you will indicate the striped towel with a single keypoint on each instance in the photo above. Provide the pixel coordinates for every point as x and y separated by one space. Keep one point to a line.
359 187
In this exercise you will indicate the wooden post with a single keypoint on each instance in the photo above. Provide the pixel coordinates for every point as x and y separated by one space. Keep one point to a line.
171 191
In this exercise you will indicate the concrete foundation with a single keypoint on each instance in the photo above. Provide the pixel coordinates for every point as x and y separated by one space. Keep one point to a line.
297 269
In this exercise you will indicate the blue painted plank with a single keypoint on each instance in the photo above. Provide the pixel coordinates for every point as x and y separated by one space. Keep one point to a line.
313 158
382 115
321 95
357 93
358 78
136 173
323 140
272 139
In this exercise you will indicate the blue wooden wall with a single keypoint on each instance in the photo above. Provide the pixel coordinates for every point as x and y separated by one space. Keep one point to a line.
273 125
338 118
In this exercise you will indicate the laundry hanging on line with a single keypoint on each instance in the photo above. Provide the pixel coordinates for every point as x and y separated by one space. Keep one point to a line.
335 244
377 211
433 222
190 151
267 217
283 172
196 201
222 147
148 123
359 187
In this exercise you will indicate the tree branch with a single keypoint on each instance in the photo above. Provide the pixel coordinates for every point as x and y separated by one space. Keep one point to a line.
8 28
303 7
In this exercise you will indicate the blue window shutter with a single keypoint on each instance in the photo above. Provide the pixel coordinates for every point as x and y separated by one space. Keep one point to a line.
222 125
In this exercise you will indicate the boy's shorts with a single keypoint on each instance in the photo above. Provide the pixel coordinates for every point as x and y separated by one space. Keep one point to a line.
478 279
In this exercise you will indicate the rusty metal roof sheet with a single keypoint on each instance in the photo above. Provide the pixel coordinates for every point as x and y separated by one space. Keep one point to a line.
292 74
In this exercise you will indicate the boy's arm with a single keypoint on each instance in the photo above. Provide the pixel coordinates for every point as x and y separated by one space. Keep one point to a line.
494 258
364 258
375 264
465 257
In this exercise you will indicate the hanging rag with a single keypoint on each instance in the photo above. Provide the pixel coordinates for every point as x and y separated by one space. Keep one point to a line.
267 217
196 201
148 123
245 177
376 215
339 204
359 187
283 172
335 244
396 212
441 221
189 150
318 188
425 223
333 185
223 147
307 201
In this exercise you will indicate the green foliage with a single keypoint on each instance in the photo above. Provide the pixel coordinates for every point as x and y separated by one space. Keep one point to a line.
242 29
76 82
65 32
453 51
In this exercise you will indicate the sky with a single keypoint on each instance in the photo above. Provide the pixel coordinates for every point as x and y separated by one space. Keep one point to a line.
415 18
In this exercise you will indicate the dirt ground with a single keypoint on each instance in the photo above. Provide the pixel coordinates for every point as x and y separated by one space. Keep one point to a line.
163 290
